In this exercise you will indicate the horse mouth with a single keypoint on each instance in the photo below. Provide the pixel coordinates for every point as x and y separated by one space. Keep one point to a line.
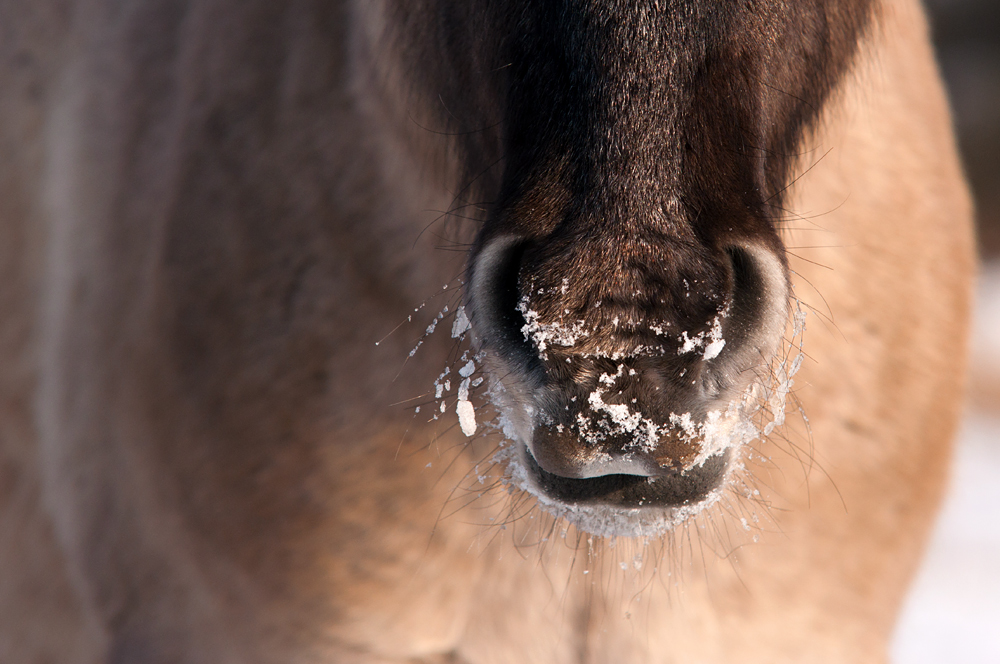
672 489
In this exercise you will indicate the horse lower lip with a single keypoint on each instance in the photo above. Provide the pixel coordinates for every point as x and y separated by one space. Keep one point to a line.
631 491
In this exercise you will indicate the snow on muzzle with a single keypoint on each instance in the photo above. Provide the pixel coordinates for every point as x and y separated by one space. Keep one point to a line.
626 390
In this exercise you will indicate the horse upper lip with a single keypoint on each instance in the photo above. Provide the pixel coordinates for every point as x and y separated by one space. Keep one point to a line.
636 463
627 490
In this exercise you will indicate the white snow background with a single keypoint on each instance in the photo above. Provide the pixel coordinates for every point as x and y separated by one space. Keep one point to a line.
953 612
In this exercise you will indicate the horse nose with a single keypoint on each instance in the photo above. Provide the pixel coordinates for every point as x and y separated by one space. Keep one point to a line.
611 370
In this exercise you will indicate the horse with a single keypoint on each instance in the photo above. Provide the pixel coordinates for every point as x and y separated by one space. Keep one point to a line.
397 331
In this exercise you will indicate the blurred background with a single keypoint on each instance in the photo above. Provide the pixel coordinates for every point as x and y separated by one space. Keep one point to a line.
967 35
953 612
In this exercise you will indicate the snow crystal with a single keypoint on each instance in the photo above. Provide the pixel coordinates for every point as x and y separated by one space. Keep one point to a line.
713 349
461 324
466 417
711 341
645 432
545 334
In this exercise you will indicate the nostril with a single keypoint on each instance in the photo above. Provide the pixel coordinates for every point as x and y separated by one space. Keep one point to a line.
748 295
755 321
492 301
503 279
733 327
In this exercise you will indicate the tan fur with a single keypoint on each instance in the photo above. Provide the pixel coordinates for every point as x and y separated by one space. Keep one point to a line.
198 461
